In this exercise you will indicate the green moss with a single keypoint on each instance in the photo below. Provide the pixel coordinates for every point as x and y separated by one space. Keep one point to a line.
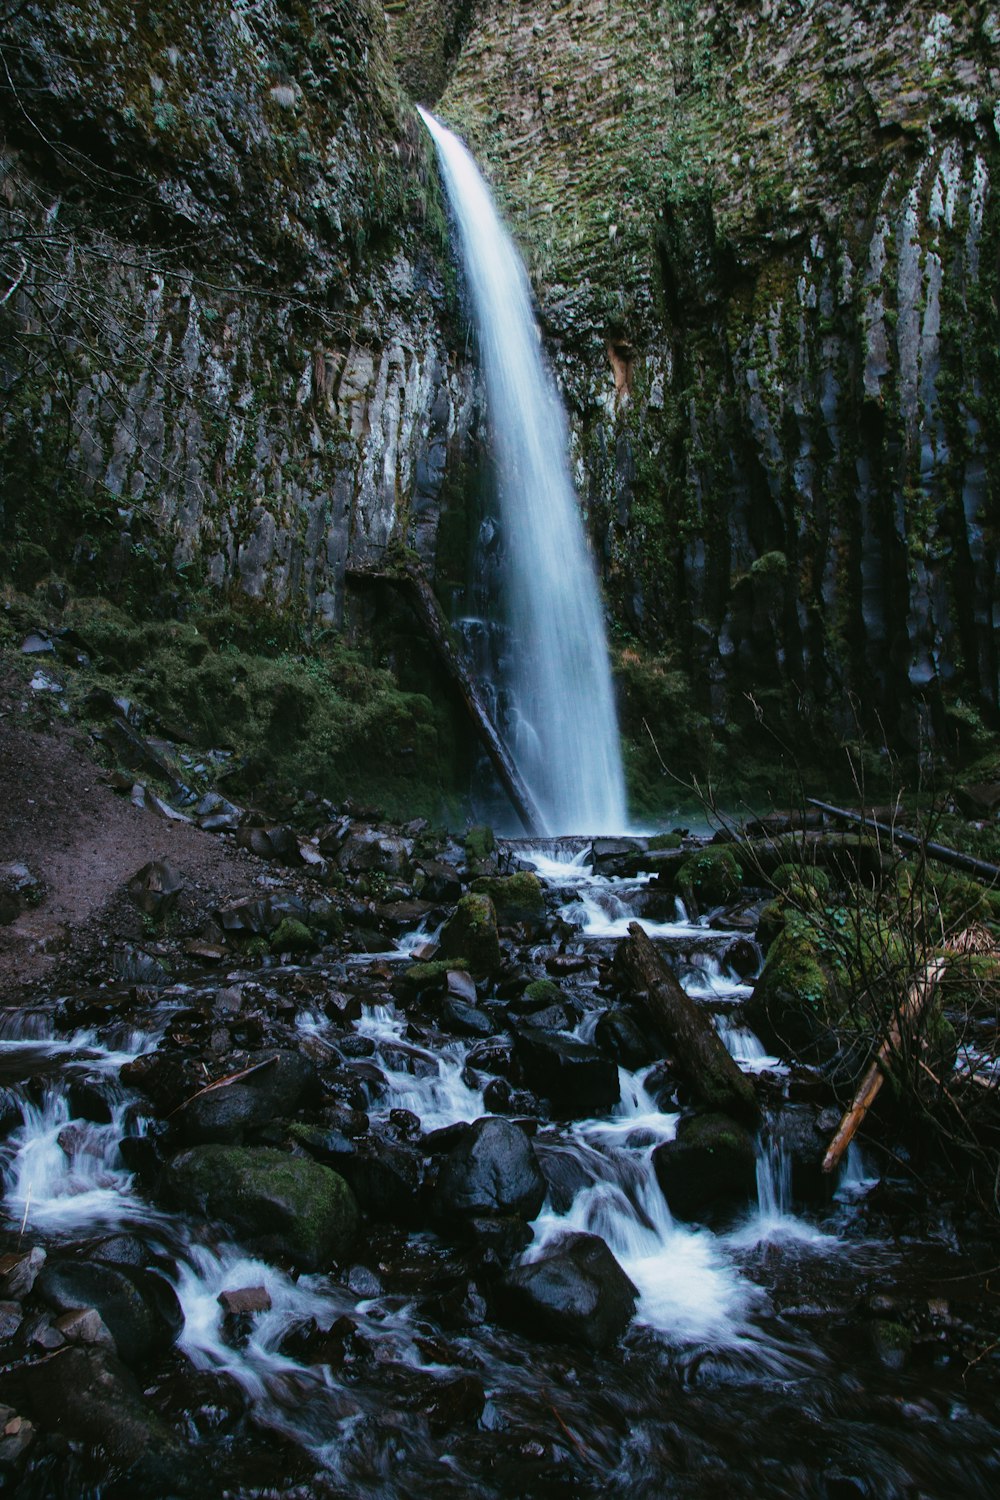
292 937
321 718
471 933
479 845
420 978
712 877
516 898
801 879
543 992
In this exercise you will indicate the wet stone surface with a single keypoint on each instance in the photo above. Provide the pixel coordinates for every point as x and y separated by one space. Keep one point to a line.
495 1300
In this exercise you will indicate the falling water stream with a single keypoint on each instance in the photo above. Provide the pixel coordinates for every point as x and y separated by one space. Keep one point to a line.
554 693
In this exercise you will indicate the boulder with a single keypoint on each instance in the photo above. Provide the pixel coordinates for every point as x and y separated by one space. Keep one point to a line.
89 1397
710 1169
620 1038
155 888
19 888
578 1079
387 1178
138 1306
493 1171
575 1290
465 1020
366 850
471 933
278 843
226 1113
281 1205
519 900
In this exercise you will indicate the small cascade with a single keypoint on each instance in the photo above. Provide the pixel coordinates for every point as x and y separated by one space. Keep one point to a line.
551 677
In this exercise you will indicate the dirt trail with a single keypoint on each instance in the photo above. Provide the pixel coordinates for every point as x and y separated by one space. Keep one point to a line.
59 816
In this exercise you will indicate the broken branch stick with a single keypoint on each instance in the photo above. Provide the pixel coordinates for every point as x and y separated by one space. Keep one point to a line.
912 1009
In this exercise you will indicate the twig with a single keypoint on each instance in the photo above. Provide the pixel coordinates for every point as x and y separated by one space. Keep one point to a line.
221 1083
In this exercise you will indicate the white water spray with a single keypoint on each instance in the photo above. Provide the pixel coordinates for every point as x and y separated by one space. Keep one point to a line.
560 713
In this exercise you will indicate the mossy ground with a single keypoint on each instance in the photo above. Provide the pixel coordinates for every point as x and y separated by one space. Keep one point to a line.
292 715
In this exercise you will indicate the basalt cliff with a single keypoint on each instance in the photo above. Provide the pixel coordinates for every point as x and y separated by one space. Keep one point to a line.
764 243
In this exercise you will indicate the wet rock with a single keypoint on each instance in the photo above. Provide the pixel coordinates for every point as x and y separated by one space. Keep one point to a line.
132 966
278 842
90 1397
19 888
155 888
621 1039
421 979
273 1089
518 900
245 1300
445 1401
503 1236
710 1167
16 1437
465 1020
397 917
437 882
167 1079
387 1178
281 1205
11 1318
540 994
88 1099
568 963
743 957
575 1290
19 1271
366 850
138 1306
461 986
223 1115
471 933
552 1018
493 1171
84 1325
577 1078
363 1282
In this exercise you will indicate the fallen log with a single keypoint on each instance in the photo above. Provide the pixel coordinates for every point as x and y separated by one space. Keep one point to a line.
939 852
916 1002
696 1047
412 583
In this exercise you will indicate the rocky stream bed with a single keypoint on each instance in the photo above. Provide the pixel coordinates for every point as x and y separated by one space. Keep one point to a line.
380 1183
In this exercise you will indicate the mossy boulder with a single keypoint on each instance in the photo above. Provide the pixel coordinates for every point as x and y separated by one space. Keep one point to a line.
471 933
711 877
291 936
517 899
710 1168
541 993
799 999
801 881
830 990
280 1205
427 978
480 844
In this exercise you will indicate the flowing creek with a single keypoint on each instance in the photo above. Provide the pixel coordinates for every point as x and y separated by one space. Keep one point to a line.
742 1371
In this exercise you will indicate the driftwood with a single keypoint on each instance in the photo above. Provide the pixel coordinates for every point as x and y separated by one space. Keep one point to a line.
916 1002
699 1052
411 581
940 852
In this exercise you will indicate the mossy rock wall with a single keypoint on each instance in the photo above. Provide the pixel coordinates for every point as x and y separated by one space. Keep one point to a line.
231 353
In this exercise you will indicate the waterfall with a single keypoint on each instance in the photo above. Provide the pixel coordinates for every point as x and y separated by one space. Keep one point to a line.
558 712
